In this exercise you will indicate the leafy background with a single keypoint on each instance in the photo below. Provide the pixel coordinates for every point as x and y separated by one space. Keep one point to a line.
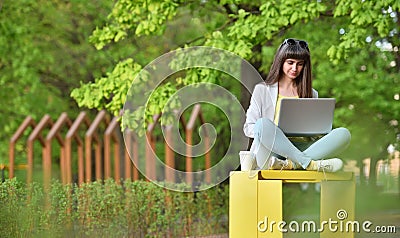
83 55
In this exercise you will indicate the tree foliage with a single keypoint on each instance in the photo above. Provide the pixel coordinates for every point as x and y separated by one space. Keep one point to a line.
44 53
49 47
354 48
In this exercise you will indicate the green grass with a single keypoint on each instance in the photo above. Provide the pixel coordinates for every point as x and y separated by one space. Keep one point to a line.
107 209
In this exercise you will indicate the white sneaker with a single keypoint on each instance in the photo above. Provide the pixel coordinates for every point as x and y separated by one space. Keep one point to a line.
329 165
275 163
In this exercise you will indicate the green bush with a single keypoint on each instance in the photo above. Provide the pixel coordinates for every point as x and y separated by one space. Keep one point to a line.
107 209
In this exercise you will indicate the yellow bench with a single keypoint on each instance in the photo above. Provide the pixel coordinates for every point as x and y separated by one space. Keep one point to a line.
255 204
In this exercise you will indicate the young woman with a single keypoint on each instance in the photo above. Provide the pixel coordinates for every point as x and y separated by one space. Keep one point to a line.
289 77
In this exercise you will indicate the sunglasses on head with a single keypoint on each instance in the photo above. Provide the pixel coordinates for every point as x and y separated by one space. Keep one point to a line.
291 41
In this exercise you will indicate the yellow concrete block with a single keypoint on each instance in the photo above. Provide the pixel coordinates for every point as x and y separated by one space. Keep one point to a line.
242 205
270 213
255 202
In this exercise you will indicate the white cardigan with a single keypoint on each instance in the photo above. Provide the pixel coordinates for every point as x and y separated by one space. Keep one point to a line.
262 105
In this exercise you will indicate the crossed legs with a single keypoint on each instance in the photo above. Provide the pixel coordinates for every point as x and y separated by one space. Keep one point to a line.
270 138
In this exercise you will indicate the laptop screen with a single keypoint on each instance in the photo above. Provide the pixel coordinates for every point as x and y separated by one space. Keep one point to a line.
306 116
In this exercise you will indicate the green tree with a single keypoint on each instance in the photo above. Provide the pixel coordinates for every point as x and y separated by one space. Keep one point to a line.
45 53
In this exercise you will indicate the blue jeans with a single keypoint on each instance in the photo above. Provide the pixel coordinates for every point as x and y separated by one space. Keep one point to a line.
270 139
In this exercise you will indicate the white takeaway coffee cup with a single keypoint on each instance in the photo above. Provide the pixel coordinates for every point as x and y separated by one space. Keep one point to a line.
246 160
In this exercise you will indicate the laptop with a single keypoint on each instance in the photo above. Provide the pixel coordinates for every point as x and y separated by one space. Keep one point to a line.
306 116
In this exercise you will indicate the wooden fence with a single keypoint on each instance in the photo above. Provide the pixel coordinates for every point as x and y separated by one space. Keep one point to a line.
95 146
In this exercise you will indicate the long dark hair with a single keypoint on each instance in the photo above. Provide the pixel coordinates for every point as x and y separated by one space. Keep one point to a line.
293 49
